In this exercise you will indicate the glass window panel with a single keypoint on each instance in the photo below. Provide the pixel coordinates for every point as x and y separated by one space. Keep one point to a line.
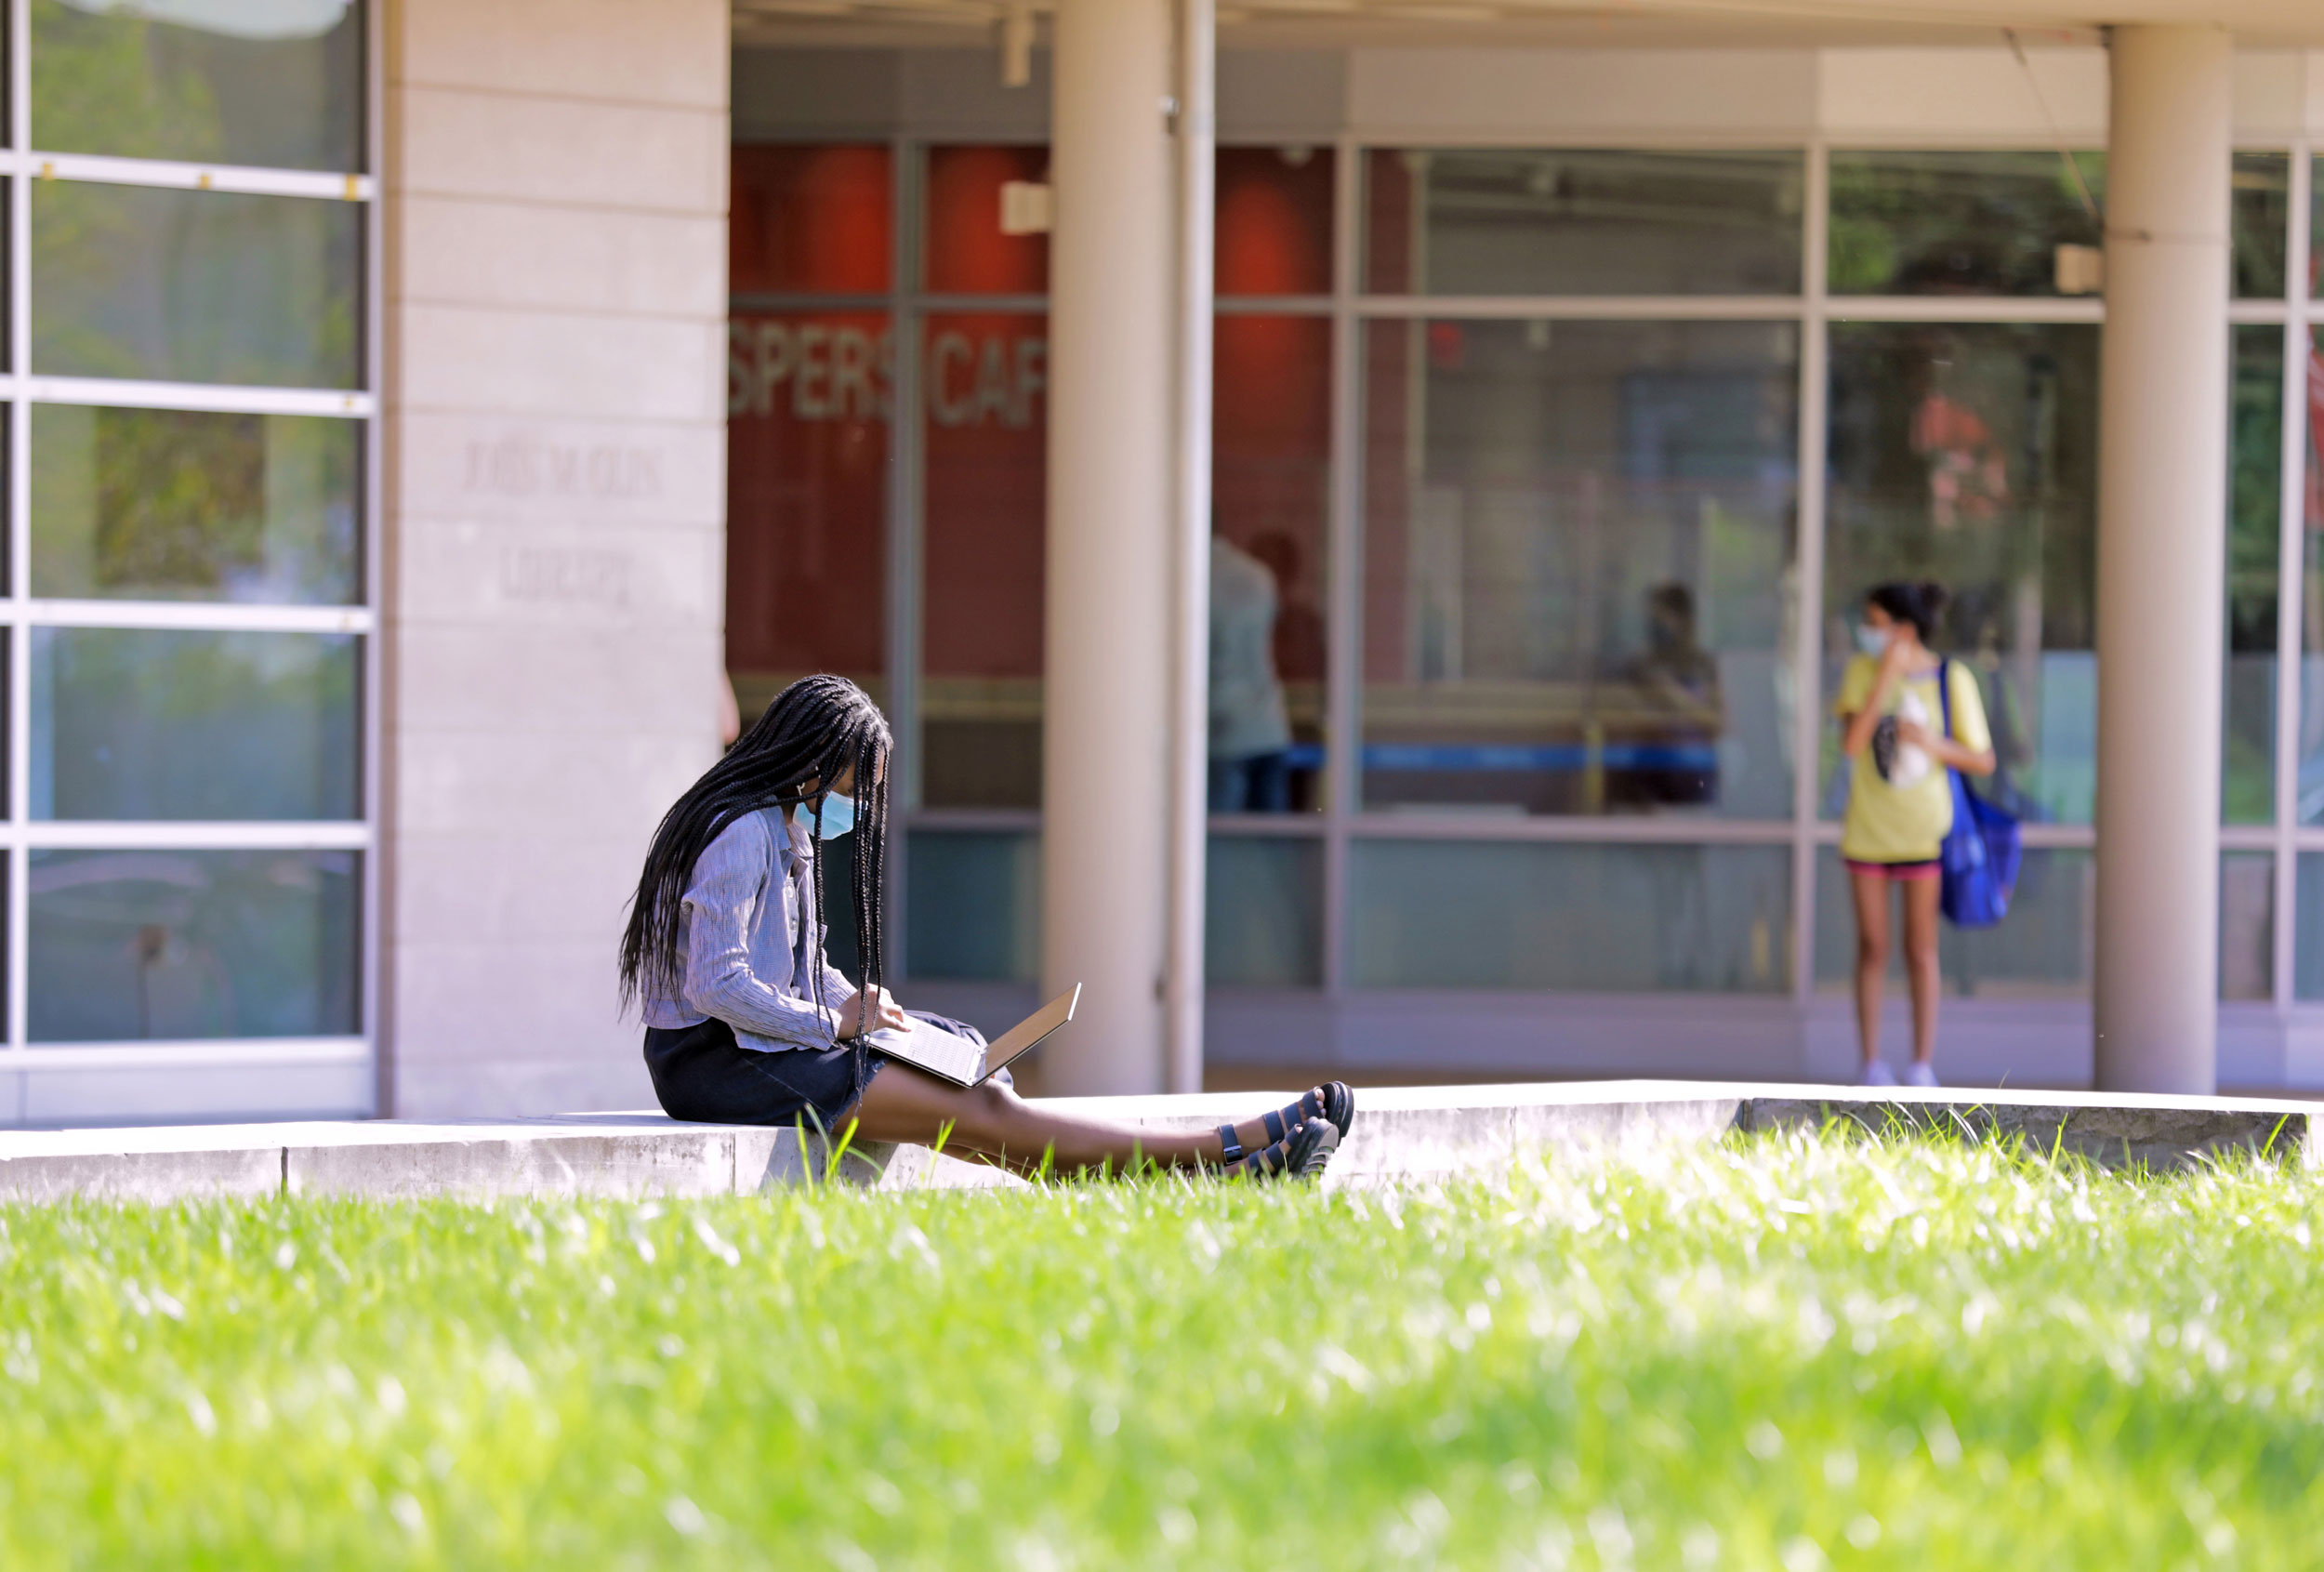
1962 223
1270 479
986 487
1967 454
969 250
2255 506
128 946
811 220
280 86
1578 545
2307 963
1582 221
1571 917
809 398
2259 212
2247 926
2310 806
195 287
1274 220
2316 227
185 505
2041 950
1264 926
975 908
150 724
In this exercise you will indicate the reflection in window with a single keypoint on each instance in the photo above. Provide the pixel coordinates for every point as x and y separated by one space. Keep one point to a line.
986 488
810 221
2310 803
2247 926
158 723
1264 924
279 86
2042 950
976 912
1964 223
1578 918
2307 966
1271 464
1967 454
2255 504
1582 221
2260 211
1578 556
184 504
808 397
2015 223
1274 220
195 286
2316 227
128 946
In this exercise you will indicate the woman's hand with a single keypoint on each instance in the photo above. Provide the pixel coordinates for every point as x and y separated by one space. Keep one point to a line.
886 1013
1913 735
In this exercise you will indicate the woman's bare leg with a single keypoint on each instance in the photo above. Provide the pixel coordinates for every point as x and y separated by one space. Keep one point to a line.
1870 891
992 1122
1921 964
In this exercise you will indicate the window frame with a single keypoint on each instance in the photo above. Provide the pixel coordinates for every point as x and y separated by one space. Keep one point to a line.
357 1054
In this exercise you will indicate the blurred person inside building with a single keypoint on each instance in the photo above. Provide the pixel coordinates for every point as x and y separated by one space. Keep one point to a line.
1676 683
1250 730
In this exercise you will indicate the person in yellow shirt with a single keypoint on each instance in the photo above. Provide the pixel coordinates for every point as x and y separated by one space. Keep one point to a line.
1900 803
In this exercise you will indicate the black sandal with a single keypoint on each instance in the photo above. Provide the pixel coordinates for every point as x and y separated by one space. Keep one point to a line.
1301 1155
1332 1101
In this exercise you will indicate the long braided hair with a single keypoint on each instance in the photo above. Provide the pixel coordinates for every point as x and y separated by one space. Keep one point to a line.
816 729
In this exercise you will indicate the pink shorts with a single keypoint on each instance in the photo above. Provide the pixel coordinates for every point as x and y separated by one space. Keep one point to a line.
1931 868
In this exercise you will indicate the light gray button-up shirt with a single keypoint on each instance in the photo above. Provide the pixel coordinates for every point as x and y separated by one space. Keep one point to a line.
749 941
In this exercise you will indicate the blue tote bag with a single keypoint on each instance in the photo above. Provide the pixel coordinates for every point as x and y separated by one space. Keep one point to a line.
1982 850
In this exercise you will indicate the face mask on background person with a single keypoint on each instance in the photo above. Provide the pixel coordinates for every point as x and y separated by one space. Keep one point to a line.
838 817
1872 640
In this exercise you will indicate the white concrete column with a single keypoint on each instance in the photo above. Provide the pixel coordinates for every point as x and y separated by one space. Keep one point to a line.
554 544
1105 754
2161 547
1190 546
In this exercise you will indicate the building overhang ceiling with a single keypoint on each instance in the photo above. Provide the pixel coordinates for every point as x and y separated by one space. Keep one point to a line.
1577 23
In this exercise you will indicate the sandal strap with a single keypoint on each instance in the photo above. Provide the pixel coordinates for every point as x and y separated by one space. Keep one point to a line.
1273 1121
1329 1103
1234 1149
1263 1163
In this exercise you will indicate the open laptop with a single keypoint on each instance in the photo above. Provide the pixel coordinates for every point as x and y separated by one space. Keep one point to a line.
961 1062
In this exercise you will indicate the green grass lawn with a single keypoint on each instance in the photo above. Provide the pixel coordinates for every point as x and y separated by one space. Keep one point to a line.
1789 1352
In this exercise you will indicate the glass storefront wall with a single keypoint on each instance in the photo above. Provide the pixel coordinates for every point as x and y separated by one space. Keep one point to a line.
189 599
1966 455
1603 573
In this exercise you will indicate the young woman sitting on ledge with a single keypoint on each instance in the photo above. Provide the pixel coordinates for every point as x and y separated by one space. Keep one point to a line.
748 1021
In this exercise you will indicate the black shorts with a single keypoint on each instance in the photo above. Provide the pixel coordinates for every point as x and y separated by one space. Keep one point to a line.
701 1074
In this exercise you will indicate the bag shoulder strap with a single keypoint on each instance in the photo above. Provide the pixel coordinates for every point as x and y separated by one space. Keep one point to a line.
1945 694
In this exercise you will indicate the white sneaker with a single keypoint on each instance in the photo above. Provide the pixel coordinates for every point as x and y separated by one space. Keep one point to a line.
1919 1073
1877 1073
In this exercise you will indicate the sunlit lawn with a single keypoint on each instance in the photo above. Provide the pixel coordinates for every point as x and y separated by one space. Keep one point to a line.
1783 1353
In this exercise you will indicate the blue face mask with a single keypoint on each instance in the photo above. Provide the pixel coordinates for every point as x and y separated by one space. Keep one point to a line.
838 817
1872 640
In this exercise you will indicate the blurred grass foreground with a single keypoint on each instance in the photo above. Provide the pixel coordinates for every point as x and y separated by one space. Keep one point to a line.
1786 1351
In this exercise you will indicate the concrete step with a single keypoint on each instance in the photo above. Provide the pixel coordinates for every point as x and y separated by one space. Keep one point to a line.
1401 1133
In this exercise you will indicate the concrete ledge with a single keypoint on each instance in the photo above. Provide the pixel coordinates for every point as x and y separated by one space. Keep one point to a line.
1401 1133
